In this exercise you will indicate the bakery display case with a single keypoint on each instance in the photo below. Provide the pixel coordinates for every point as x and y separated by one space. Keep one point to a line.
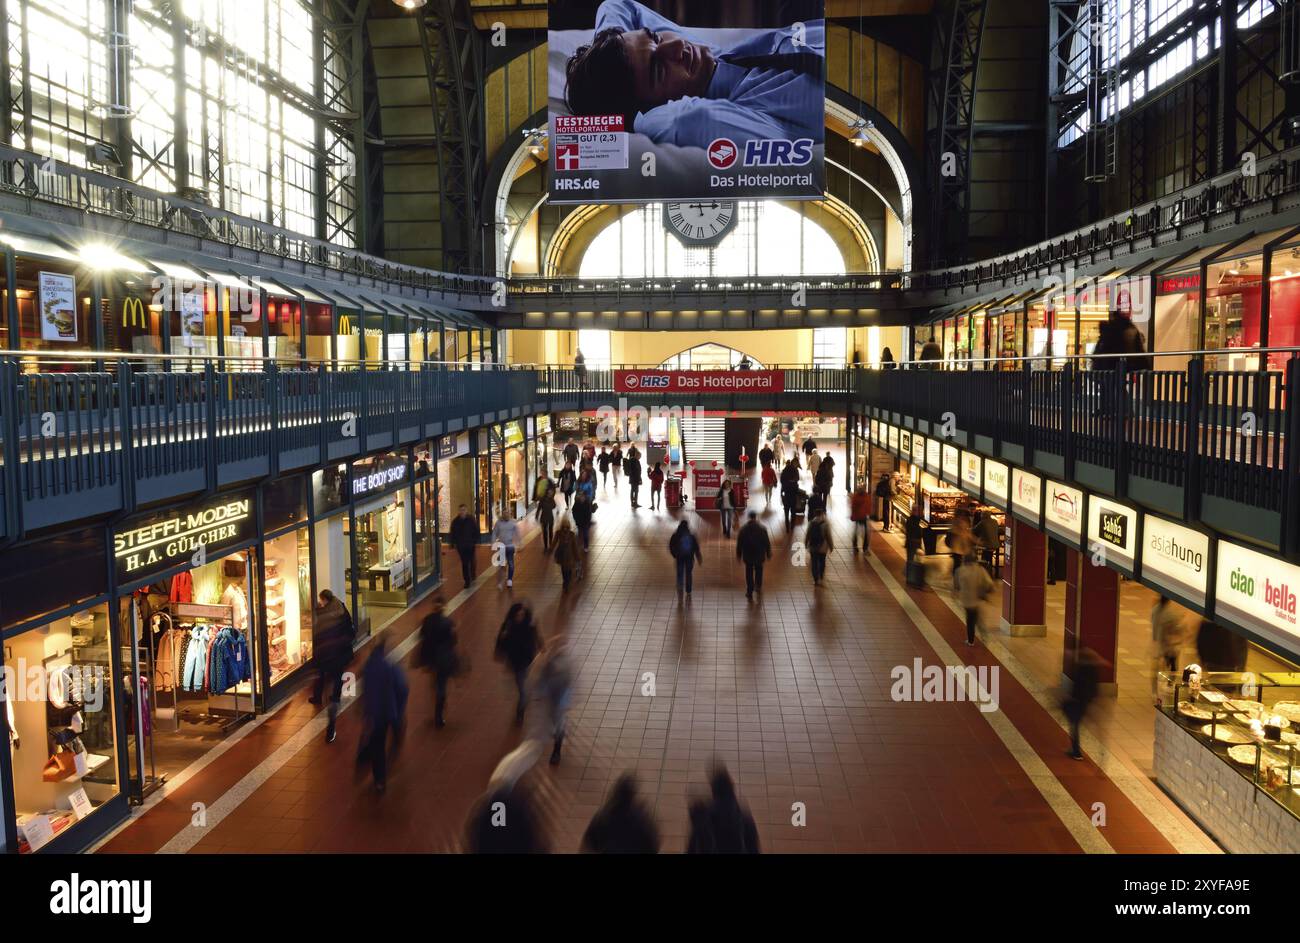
939 506
1248 722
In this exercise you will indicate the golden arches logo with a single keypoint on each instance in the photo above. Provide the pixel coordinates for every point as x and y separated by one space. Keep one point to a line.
133 314
345 324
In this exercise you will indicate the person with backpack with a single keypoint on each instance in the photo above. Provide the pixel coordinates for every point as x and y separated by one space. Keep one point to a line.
332 649
632 466
973 587
568 483
656 486
544 484
820 545
685 549
566 552
439 656
583 510
383 703
860 514
726 506
517 644
587 484
754 549
464 537
624 825
721 825
602 462
769 482
546 515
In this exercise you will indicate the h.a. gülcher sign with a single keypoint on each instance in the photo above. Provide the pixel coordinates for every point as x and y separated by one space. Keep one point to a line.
165 540
699 381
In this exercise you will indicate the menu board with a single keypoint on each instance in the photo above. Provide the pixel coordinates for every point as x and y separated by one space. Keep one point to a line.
1112 532
951 464
1063 512
995 482
972 472
1257 592
905 445
934 455
1027 496
918 450
1176 558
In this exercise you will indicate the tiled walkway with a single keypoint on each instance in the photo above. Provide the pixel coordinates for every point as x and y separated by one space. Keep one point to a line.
792 693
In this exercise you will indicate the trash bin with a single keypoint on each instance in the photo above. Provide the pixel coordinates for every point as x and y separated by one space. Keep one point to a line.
673 492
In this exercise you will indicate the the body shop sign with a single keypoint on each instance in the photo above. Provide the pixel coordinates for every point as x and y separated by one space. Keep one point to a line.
1176 558
1112 533
972 472
1257 592
1063 512
951 464
995 482
934 455
166 540
1027 496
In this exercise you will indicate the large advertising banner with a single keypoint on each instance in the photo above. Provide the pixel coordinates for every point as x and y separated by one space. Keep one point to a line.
668 101
699 381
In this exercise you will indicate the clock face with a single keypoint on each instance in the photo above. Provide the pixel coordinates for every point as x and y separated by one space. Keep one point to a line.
703 223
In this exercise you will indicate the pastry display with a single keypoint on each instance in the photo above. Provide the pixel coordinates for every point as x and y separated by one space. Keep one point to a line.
1288 709
1245 707
1245 755
1247 718
1190 710
1226 734
1214 697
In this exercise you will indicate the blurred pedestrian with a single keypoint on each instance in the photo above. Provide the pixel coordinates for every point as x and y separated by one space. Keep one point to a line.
768 476
505 534
685 549
721 825
616 462
860 514
583 510
383 699
973 588
439 656
884 501
754 549
464 537
587 484
1083 691
726 505
960 541
546 515
656 486
820 545
518 642
566 552
1169 631
632 465
568 482
506 821
602 462
623 825
814 463
580 368
766 456
544 484
550 692
913 533
332 648
790 491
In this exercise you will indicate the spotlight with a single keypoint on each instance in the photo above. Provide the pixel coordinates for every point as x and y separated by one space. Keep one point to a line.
409 5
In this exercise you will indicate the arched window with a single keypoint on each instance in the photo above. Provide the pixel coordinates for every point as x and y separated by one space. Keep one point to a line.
769 237
707 357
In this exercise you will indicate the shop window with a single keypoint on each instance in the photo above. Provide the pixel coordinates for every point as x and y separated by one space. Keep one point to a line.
54 307
1284 304
60 721
319 332
284 325
287 561
329 489
133 322
1232 312
282 503
381 573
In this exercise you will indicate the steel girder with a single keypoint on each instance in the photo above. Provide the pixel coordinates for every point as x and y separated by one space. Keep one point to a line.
454 62
959 27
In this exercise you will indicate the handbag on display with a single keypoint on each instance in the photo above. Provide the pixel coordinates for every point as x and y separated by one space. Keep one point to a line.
59 766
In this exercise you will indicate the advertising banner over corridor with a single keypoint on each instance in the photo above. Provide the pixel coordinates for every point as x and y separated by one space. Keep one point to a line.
719 104
699 381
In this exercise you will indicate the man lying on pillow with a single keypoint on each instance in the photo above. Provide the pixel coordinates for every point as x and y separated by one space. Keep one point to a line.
678 90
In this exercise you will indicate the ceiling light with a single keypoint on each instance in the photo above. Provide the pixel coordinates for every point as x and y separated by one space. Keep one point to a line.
103 257
410 4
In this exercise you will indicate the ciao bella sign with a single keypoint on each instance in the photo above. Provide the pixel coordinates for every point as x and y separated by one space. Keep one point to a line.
175 537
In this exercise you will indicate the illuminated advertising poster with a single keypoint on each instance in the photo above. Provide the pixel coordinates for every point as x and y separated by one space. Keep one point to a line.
1027 496
905 445
995 482
719 104
972 473
1112 532
1258 592
1063 512
875 432
951 464
893 439
934 456
1176 558
918 450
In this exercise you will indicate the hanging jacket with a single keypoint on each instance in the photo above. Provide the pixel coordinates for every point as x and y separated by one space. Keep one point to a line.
194 675
182 588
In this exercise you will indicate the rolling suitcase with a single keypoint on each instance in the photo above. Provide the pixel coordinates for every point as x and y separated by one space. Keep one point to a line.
801 501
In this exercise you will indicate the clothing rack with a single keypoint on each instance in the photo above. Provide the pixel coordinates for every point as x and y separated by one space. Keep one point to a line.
215 616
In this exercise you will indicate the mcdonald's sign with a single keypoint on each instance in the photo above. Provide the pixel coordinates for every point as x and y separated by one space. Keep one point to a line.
133 314
345 325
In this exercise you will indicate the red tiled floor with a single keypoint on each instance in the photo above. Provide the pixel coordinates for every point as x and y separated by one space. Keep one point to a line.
792 694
